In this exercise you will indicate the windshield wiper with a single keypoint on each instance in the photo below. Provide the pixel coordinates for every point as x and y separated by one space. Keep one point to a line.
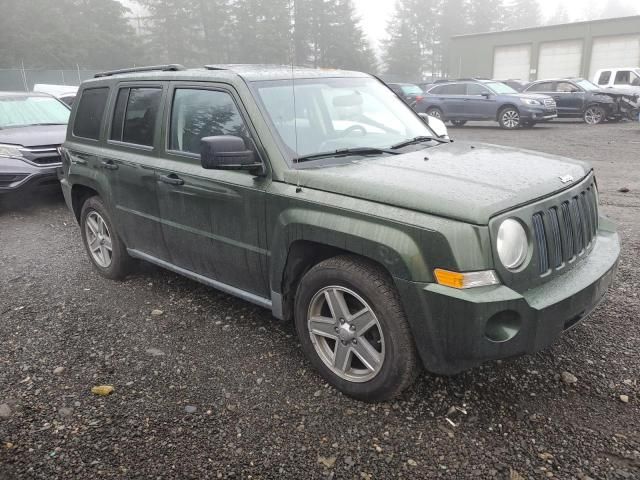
420 139
343 152
42 124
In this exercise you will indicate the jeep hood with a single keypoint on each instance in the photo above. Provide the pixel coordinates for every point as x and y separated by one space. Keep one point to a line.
464 181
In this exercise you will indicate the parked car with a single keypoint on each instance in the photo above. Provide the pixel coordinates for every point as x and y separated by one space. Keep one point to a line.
333 204
619 78
32 128
65 93
579 98
408 92
459 101
517 85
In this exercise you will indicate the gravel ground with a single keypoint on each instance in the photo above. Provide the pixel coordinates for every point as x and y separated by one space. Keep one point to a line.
213 387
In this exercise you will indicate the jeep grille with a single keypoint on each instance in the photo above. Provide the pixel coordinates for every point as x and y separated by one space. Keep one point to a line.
565 231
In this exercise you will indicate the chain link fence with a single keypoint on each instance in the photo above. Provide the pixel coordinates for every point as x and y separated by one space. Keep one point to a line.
23 80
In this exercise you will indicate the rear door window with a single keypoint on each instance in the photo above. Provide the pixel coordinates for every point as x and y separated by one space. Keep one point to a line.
197 113
604 78
452 89
88 118
135 115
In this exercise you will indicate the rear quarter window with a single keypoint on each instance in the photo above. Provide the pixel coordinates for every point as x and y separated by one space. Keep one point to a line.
88 119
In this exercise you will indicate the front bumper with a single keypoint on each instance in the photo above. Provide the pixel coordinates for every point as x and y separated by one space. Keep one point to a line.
450 326
537 113
16 175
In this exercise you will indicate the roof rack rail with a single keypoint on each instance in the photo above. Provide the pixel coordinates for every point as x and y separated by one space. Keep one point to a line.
161 68
216 67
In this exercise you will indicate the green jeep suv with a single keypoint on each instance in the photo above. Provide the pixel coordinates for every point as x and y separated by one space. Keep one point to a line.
320 195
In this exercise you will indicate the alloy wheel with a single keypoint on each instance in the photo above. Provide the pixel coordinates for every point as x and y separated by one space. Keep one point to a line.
593 116
98 239
435 113
346 334
511 119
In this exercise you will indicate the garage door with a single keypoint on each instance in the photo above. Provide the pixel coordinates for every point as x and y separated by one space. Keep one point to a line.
560 59
512 62
612 52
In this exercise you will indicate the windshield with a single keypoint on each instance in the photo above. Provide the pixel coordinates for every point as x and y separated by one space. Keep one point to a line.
411 90
337 113
22 111
499 88
587 85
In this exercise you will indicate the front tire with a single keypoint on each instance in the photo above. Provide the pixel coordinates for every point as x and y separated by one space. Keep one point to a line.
509 118
594 115
104 247
353 329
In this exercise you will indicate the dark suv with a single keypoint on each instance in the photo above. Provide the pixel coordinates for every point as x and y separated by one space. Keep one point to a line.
32 128
327 200
579 98
464 100
408 92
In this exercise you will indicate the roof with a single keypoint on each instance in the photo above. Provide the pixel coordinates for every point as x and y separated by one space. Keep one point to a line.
557 25
249 73
564 79
23 94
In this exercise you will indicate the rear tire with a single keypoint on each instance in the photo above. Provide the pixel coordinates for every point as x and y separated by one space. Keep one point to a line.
369 356
104 247
509 118
435 112
594 114
458 123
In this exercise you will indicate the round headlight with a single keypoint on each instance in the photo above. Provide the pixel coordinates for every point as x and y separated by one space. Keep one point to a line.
512 244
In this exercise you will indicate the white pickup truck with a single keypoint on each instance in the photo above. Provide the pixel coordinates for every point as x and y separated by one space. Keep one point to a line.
627 78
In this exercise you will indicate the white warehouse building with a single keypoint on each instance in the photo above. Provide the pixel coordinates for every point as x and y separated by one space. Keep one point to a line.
570 50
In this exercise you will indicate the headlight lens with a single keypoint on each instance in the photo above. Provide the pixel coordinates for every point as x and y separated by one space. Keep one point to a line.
531 101
512 244
11 151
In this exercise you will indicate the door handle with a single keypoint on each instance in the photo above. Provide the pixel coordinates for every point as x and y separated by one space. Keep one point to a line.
171 179
109 165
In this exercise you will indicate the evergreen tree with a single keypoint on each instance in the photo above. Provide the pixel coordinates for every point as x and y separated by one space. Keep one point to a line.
261 31
346 45
485 15
453 20
107 39
403 57
523 14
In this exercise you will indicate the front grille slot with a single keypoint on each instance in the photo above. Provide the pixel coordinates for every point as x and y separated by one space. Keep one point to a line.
47 160
555 247
566 231
46 155
541 243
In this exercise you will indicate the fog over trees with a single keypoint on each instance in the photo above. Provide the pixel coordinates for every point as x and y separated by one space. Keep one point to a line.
320 33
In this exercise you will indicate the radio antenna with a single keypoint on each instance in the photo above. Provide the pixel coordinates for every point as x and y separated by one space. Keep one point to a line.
293 87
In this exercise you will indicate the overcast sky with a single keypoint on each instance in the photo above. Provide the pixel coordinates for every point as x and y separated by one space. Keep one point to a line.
374 18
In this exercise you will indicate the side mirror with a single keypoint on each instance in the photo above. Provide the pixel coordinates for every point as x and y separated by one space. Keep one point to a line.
227 152
435 124
485 94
